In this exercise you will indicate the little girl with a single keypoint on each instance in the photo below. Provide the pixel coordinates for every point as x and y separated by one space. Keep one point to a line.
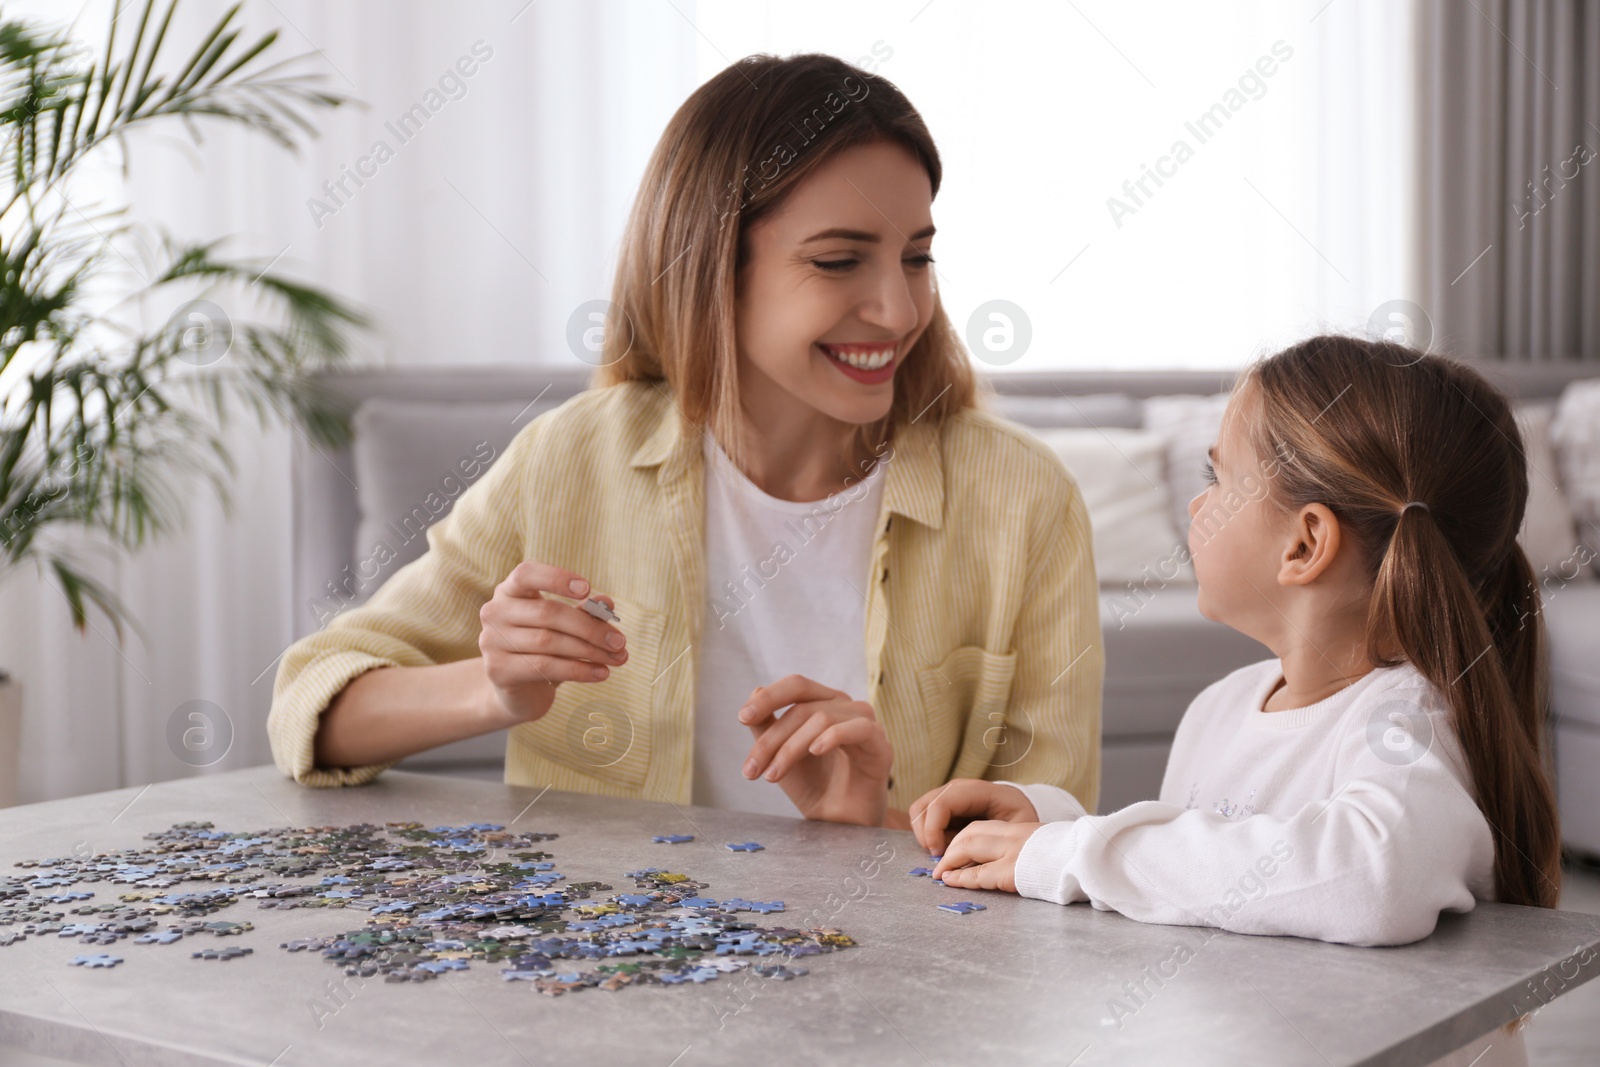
1360 521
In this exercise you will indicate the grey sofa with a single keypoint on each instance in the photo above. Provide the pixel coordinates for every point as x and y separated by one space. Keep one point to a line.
419 430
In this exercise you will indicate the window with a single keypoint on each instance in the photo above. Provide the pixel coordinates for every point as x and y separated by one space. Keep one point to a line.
1156 185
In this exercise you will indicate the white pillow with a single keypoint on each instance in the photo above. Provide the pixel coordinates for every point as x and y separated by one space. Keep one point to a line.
1190 425
1547 535
1575 435
1122 476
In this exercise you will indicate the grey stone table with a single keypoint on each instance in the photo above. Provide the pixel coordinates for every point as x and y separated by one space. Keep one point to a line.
1023 982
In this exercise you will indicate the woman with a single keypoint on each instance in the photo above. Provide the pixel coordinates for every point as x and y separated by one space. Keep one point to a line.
835 582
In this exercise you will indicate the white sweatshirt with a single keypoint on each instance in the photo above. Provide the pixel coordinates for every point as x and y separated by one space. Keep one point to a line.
1351 820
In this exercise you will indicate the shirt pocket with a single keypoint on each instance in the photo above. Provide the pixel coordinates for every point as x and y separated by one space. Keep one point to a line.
603 729
966 699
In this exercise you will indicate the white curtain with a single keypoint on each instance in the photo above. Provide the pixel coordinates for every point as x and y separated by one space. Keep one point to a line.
471 242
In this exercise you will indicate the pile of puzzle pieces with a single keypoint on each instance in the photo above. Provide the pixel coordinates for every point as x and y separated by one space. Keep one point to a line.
436 899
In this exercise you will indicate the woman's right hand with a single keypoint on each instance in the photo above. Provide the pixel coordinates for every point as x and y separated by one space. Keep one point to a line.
531 644
965 800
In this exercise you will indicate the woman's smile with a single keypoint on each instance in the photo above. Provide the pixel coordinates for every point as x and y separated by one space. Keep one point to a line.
870 363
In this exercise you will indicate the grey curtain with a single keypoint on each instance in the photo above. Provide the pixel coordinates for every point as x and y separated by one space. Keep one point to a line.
1509 177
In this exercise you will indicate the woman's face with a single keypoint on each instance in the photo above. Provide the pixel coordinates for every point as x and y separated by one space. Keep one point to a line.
837 286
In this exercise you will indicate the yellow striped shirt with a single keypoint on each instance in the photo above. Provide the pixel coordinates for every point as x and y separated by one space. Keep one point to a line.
984 657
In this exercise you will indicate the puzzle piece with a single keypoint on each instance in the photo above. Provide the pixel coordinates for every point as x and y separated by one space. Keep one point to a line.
165 937
98 960
229 953
962 907
922 872
748 846
598 609
672 839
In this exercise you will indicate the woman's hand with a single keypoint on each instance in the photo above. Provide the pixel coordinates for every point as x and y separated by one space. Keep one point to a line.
531 644
828 752
963 799
984 855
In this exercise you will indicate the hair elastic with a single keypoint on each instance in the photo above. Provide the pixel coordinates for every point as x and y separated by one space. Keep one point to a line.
1413 504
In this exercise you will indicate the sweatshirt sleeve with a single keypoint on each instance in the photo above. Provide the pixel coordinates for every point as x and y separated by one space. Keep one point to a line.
425 614
1373 864
1050 802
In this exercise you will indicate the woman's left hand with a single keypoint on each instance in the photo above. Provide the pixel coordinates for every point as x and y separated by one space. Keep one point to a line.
828 752
984 855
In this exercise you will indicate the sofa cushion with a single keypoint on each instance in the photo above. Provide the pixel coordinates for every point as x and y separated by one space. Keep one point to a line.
1575 435
1547 535
1190 425
1122 476
412 460
1160 653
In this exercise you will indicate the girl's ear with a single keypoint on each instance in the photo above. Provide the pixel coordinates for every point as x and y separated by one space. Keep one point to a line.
1313 543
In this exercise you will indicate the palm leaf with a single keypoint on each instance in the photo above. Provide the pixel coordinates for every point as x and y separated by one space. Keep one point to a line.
109 429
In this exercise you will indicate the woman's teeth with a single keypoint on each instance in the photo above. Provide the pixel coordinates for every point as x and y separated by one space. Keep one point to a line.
862 357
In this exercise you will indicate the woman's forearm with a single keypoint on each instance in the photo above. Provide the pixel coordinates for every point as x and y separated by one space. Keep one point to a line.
393 712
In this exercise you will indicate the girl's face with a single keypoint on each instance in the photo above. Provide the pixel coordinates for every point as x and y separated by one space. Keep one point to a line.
1237 536
837 286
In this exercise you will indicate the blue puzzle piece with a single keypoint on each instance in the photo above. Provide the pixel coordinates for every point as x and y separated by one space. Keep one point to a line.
165 937
697 902
765 908
748 846
672 839
98 960
398 905
922 872
635 900
962 907
440 966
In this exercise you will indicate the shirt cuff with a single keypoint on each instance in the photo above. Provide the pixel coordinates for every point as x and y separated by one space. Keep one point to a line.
1042 865
1052 804
297 713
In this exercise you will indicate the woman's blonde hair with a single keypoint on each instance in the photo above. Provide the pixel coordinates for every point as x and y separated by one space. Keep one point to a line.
728 157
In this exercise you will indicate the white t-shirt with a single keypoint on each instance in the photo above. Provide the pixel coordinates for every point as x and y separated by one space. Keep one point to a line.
786 585
1349 820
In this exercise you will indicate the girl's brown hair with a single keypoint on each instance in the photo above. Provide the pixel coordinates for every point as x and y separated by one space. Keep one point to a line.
1367 427
727 159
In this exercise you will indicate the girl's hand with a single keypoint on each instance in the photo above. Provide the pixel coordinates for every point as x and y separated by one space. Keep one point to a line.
828 752
531 644
984 855
960 800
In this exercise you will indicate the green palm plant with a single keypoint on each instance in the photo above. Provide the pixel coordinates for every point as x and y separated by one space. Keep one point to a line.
105 423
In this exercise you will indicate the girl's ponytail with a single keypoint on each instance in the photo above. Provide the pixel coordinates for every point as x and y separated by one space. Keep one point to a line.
1482 648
